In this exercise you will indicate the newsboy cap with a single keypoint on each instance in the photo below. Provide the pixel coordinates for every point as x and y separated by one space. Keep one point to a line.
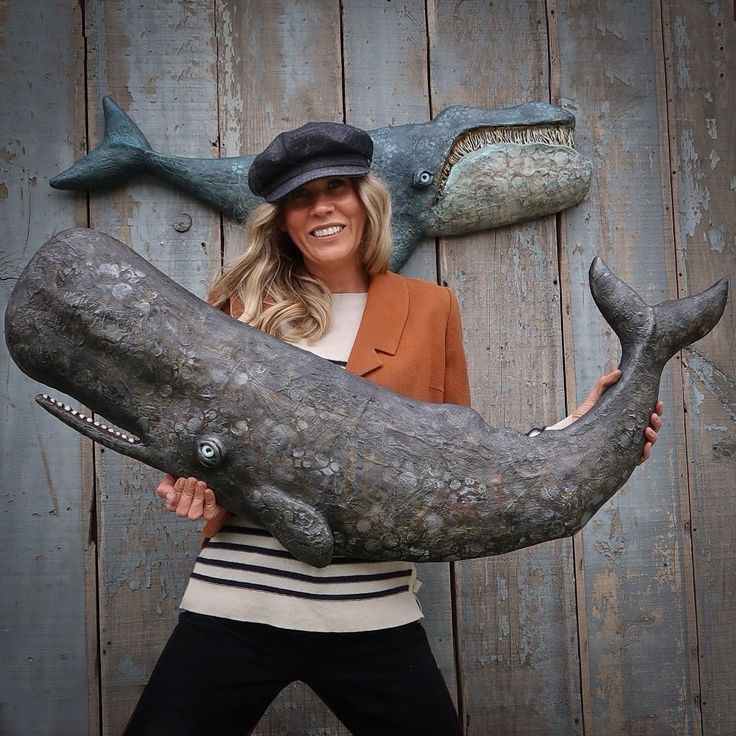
313 151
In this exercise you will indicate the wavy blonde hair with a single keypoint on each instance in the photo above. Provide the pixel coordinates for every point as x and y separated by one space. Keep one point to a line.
279 295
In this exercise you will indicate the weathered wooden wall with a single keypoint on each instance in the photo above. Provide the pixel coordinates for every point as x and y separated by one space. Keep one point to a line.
628 628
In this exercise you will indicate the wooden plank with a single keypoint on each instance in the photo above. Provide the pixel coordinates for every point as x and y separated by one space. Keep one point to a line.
633 557
45 546
279 67
386 83
158 61
517 646
699 42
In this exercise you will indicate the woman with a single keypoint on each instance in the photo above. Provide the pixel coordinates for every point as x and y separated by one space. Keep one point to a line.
314 273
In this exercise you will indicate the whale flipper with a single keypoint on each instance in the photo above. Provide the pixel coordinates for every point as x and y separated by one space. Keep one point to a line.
297 525
120 156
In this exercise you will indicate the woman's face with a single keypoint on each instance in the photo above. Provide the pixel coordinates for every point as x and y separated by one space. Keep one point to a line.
325 220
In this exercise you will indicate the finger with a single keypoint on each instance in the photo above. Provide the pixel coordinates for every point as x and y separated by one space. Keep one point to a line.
187 494
650 435
660 407
645 453
211 509
655 422
174 494
609 379
195 510
165 483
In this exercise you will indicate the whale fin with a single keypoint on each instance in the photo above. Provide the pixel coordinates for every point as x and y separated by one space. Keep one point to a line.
673 324
121 155
298 526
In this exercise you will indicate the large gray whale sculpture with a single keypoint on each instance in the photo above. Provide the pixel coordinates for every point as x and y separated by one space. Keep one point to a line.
328 462
468 169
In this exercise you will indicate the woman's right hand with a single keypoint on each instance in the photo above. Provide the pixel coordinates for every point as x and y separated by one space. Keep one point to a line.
188 497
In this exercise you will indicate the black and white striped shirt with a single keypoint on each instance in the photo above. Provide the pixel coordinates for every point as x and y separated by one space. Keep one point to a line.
243 573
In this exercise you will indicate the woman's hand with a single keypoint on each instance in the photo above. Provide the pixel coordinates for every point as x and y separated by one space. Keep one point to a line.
188 497
601 386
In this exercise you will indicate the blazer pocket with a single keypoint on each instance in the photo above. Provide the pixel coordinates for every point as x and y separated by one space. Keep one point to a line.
436 395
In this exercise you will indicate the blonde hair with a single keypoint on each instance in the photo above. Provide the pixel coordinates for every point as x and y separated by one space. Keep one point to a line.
279 295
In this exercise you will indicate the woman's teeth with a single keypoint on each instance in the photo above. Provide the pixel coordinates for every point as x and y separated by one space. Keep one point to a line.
327 231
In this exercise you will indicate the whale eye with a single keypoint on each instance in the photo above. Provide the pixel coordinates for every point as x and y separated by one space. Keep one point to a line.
210 451
422 179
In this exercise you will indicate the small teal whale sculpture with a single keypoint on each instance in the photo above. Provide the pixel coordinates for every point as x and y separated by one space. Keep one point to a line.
328 462
469 169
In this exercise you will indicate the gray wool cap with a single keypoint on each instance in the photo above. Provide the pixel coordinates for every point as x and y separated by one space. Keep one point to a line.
314 151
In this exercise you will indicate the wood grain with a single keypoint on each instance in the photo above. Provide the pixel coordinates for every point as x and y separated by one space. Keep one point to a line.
633 556
158 61
517 647
48 631
699 46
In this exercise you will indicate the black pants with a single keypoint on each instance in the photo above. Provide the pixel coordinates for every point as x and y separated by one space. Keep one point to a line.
216 677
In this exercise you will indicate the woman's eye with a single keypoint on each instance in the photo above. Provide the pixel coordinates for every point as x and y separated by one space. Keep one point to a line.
297 195
336 183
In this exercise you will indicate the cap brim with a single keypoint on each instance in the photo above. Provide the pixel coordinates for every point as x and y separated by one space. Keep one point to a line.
320 173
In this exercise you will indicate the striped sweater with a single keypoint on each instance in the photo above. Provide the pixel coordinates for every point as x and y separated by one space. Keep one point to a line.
243 573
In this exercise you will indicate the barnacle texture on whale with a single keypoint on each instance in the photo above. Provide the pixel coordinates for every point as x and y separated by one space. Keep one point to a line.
328 462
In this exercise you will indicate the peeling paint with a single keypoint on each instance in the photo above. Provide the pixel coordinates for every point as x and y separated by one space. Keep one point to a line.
695 197
696 400
716 237
721 386
714 158
710 124
682 42
3 190
725 449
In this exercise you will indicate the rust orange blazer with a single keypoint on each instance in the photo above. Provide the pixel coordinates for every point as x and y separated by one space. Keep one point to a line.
409 341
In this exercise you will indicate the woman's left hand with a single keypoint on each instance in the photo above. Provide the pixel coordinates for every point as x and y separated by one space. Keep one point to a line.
601 386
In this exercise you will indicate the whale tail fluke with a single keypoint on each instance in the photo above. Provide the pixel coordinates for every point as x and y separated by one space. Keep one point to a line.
120 156
666 327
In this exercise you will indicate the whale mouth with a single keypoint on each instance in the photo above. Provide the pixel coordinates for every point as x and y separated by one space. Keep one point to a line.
88 426
475 139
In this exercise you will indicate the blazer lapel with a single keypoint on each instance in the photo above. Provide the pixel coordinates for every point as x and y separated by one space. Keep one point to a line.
386 312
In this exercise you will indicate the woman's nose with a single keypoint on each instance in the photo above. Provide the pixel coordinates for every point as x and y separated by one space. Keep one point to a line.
323 204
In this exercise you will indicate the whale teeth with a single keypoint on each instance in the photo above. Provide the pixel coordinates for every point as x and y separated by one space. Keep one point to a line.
132 439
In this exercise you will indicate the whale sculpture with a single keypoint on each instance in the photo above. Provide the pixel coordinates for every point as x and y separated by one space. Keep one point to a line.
469 169
328 462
